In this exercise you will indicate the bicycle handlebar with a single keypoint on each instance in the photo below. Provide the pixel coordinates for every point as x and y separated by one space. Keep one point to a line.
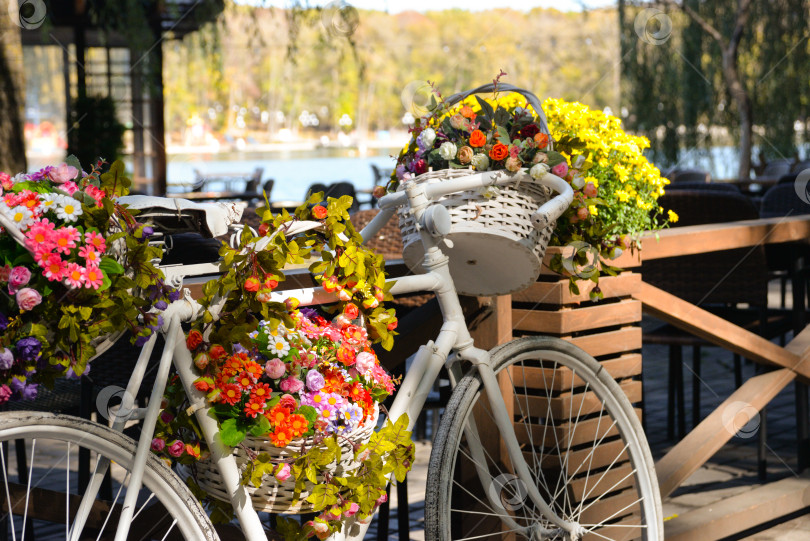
547 213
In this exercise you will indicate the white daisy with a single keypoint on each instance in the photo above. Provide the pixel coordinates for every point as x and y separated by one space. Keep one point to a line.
278 346
49 201
21 216
68 209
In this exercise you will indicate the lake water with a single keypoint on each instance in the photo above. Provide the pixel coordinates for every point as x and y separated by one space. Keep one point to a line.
293 171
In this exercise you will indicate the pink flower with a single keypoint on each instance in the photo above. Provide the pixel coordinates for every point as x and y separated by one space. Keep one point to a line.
65 239
352 510
589 190
176 448
158 444
365 362
96 193
4 273
283 473
64 173
5 181
333 513
96 241
560 169
5 393
28 298
275 368
321 529
291 385
90 256
53 265
381 500
93 277
40 235
18 277
70 187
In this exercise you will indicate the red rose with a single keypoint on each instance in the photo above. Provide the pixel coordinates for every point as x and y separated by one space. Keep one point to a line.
477 139
202 385
217 352
529 131
194 340
351 311
263 229
499 152
420 166
319 212
252 284
269 283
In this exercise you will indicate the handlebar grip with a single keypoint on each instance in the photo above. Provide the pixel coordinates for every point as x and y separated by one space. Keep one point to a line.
554 207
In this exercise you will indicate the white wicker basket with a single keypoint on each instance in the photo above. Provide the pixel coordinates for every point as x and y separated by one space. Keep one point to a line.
272 496
493 247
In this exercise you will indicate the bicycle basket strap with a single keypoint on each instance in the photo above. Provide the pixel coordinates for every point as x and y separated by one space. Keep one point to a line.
490 87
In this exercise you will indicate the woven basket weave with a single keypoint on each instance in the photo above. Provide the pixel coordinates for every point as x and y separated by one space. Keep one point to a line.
272 496
493 247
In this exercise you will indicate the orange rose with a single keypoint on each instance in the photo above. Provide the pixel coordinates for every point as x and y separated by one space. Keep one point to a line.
499 152
351 311
541 139
252 284
319 212
217 352
477 139
467 112
194 340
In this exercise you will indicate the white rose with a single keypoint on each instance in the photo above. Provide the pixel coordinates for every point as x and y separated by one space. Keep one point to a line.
578 182
448 150
579 161
426 138
538 171
480 162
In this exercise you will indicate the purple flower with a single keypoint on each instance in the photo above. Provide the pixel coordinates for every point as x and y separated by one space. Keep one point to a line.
147 232
28 348
315 381
308 312
3 322
141 340
6 359
5 393
166 417
238 348
161 305
174 295
27 391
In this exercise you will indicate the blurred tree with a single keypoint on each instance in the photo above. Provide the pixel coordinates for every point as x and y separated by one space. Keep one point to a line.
12 98
726 63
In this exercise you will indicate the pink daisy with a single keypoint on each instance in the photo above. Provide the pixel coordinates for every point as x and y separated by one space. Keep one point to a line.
96 193
90 256
66 238
54 267
97 241
74 275
40 235
69 187
93 277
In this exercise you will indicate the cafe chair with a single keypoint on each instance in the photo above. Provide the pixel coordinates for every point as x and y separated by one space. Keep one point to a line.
688 175
721 282
715 186
775 169
798 167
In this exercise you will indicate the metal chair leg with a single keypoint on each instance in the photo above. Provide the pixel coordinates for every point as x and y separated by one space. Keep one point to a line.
403 520
696 384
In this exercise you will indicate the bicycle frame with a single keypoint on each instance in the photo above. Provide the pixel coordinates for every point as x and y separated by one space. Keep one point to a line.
452 345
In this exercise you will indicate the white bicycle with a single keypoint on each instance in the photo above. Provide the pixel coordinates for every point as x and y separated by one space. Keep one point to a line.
536 442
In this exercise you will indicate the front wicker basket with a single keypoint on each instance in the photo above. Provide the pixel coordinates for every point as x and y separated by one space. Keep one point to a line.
273 496
493 247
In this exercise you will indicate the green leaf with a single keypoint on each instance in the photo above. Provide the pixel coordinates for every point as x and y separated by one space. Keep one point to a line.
486 108
230 433
111 266
260 427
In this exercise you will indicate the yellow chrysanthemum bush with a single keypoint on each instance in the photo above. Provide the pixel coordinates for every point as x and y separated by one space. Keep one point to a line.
616 188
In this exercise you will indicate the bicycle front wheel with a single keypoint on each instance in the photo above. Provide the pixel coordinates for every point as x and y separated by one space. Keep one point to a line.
42 483
580 437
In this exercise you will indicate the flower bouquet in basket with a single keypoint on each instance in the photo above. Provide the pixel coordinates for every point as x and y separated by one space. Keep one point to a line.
70 255
296 395
507 130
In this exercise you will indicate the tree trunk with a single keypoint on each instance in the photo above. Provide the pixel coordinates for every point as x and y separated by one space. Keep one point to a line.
744 110
12 97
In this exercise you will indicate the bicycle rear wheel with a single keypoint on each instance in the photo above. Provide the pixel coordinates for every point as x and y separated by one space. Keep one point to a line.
581 439
40 477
